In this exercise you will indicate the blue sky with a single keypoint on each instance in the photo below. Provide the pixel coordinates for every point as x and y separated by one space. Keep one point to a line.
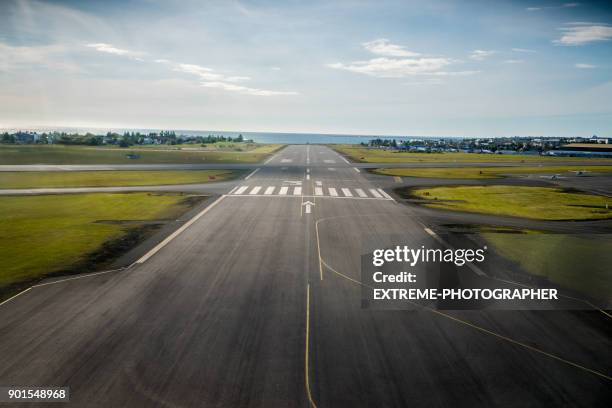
456 68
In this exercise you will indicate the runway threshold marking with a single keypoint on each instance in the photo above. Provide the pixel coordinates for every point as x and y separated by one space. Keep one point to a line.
486 331
255 190
360 192
251 174
283 190
318 191
269 190
241 189
347 192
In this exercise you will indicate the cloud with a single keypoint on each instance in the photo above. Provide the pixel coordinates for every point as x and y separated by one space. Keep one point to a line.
209 77
584 33
397 62
565 5
245 90
110 49
480 55
383 47
523 50
585 66
514 61
394 68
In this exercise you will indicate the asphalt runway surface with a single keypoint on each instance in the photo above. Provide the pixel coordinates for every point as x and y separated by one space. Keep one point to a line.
257 303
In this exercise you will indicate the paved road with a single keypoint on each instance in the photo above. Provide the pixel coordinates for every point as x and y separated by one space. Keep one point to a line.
241 309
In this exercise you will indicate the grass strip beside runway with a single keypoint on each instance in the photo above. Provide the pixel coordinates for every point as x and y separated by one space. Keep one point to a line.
488 172
46 234
529 202
59 179
363 154
580 263
59 154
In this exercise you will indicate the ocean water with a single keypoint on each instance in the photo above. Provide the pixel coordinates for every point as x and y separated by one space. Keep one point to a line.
259 137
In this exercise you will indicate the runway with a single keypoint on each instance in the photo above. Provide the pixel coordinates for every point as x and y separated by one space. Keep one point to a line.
257 303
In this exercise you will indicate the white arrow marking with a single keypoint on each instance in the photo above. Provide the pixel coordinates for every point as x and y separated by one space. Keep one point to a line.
308 205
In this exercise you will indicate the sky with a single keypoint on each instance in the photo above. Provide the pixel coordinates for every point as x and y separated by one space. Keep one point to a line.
426 68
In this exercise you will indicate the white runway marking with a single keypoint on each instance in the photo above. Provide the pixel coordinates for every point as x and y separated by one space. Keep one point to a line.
319 183
333 192
249 176
347 192
346 161
297 191
385 194
269 190
286 160
361 192
331 169
241 189
318 191
255 190
308 177
356 169
375 193
329 161
283 191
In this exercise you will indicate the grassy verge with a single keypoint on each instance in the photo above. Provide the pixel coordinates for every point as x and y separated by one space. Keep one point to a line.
111 178
371 155
528 202
486 172
57 154
47 234
575 262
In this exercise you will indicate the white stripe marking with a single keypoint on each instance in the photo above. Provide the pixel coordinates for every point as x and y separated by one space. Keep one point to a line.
178 231
319 183
385 194
356 169
308 177
318 191
347 192
297 191
361 192
255 190
269 190
375 193
283 191
346 161
249 176
333 192
241 190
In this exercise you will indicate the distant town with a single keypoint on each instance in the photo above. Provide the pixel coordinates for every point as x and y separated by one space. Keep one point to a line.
594 146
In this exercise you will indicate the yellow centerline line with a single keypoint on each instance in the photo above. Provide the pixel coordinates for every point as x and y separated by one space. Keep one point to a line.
487 331
306 354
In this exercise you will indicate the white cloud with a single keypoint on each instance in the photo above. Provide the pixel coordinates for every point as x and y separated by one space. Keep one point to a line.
383 47
110 49
523 50
394 68
209 78
245 90
480 55
514 61
565 5
398 62
584 33
585 66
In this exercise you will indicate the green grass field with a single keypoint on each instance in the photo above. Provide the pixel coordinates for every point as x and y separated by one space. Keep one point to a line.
486 172
372 155
528 202
49 233
58 154
211 147
575 262
25 179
